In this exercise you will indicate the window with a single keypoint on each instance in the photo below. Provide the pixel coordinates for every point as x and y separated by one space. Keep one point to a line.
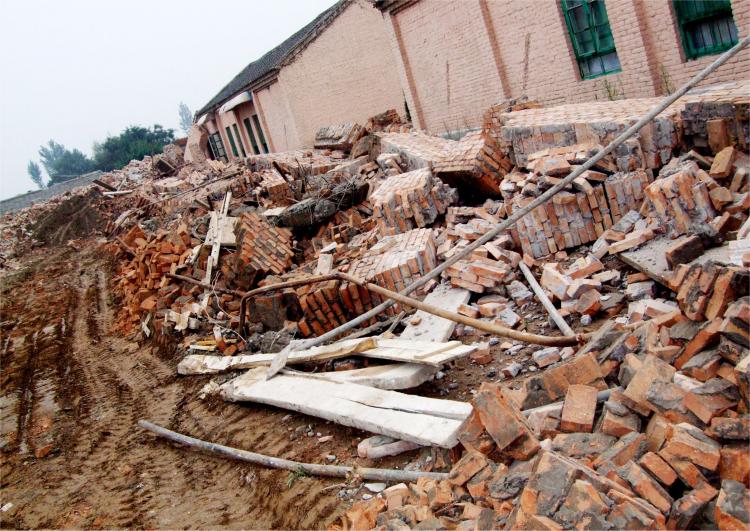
217 147
593 44
260 133
706 26
250 133
231 142
239 139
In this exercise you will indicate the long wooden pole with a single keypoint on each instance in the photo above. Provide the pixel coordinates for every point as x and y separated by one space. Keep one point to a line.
492 328
337 471
551 310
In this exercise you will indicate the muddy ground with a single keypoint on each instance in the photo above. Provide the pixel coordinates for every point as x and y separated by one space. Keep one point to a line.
72 392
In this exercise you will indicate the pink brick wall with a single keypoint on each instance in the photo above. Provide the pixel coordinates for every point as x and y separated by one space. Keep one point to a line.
279 121
536 55
450 56
670 64
346 74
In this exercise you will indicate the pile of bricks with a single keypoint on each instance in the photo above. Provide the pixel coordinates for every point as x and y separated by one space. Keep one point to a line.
680 199
416 149
666 448
276 187
575 218
532 130
718 117
476 162
409 200
705 290
262 249
143 283
340 137
394 262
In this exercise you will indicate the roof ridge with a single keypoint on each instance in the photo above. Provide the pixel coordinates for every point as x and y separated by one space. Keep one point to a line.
274 57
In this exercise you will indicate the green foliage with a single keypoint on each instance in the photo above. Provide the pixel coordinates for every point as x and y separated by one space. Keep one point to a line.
135 142
295 475
186 118
35 172
62 164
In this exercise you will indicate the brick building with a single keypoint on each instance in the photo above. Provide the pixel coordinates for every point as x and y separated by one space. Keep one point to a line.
455 59
451 60
339 68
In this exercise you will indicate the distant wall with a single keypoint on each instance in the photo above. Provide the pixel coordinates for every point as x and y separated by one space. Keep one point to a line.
22 201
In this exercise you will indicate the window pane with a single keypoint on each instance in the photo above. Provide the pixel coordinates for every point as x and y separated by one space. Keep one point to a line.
591 35
250 133
239 139
260 133
611 62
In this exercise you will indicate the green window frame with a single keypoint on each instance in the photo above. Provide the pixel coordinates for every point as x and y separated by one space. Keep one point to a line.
239 140
260 133
706 26
591 36
231 142
250 133
217 147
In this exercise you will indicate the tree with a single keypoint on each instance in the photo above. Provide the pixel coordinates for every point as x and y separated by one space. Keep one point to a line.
186 118
135 142
63 164
35 172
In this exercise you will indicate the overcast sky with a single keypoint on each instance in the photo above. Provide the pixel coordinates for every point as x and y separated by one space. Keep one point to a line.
78 70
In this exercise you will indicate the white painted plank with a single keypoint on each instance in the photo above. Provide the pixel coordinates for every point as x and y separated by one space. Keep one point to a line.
426 421
419 352
432 327
389 377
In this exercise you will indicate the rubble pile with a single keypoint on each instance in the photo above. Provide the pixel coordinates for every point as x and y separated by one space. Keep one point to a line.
666 447
643 425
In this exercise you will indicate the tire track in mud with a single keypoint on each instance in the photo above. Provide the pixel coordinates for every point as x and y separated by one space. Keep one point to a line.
105 471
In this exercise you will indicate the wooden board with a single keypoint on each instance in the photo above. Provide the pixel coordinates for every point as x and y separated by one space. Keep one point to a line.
651 258
425 421
390 377
432 327
406 351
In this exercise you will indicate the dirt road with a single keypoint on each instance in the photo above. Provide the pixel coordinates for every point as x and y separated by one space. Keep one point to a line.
72 455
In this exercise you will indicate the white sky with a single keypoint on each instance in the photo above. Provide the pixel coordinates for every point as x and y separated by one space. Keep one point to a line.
78 70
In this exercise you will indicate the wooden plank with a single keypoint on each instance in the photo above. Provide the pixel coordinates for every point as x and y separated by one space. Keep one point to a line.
651 258
425 421
389 377
432 327
412 352
202 364
226 234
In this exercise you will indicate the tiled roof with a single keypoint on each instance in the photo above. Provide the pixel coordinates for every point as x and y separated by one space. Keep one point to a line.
272 59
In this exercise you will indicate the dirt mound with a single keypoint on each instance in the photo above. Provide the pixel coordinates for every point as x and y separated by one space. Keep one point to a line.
76 217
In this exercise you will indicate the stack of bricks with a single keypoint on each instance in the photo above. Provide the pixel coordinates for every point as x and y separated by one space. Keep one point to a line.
680 198
476 161
417 149
531 130
717 117
338 136
388 121
409 200
573 219
625 192
297 163
479 272
262 249
394 262
278 189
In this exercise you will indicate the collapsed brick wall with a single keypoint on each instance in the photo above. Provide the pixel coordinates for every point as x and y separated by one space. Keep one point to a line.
394 262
